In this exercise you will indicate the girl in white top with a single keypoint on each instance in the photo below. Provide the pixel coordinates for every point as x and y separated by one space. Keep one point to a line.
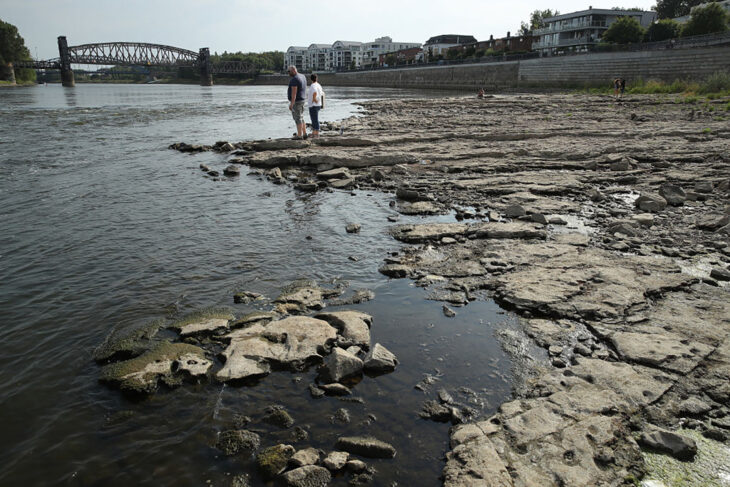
315 102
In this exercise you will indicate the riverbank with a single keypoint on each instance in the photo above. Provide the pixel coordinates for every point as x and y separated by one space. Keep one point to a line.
604 225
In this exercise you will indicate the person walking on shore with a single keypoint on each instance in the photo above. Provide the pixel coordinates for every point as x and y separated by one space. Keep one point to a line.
621 88
616 84
296 93
315 101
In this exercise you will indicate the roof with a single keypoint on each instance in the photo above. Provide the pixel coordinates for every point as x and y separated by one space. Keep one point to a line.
451 39
600 11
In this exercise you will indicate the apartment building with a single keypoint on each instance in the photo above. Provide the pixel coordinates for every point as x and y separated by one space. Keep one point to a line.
343 54
438 45
577 31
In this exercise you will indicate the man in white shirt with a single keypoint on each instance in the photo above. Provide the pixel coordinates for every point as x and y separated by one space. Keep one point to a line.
315 102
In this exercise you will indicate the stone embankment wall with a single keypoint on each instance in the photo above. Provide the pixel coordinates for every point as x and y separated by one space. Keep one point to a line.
557 71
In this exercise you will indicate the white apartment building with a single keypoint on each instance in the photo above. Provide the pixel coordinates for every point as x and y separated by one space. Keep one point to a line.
342 54
577 31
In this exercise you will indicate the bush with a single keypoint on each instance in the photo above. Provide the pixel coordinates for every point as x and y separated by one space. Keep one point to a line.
716 83
663 30
706 20
625 30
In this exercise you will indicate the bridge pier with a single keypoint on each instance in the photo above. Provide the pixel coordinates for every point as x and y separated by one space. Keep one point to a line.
206 77
7 73
67 74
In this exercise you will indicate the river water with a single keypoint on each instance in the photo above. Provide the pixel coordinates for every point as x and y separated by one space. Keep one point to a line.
103 227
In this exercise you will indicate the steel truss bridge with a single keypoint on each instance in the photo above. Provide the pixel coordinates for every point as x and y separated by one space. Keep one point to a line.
136 54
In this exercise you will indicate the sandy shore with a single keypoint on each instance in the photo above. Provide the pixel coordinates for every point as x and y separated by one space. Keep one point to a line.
605 226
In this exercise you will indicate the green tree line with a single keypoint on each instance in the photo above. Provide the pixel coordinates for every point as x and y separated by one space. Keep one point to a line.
12 50
264 61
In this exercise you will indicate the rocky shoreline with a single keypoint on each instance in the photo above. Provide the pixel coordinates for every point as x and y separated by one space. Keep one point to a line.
604 225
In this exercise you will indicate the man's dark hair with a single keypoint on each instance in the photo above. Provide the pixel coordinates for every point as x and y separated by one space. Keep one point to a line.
313 77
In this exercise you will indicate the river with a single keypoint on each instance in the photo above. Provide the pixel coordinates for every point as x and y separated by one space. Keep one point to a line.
103 227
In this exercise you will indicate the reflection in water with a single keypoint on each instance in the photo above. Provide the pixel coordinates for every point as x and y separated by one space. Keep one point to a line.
70 95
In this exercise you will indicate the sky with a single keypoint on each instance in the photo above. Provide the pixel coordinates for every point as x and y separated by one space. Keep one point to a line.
267 25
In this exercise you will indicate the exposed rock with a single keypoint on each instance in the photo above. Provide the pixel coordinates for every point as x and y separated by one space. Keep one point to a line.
720 274
340 365
355 466
434 411
202 323
338 173
307 476
678 446
307 456
380 360
395 270
232 442
514 211
142 374
295 342
335 389
232 170
278 416
673 194
352 325
273 460
303 297
651 203
367 447
336 460
128 342
448 312
342 183
408 194
246 297
353 228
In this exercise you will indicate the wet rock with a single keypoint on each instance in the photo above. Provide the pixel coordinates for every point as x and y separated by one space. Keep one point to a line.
203 322
650 202
703 187
128 342
273 460
336 460
445 397
307 456
232 442
448 312
595 195
367 447
674 195
337 173
307 476
407 194
353 228
306 187
303 298
514 211
295 342
539 218
397 271
359 296
340 365
434 411
246 297
253 317
421 208
352 325
556 220
678 446
355 466
214 173
232 170
204 168
342 183
279 144
315 391
341 416
335 389
380 360
142 374
278 416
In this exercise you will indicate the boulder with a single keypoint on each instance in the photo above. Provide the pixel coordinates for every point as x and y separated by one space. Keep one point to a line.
232 170
407 194
307 476
397 271
232 442
352 325
674 195
367 447
335 389
353 228
307 456
273 460
514 211
336 460
678 446
337 173
380 360
342 183
340 365
650 202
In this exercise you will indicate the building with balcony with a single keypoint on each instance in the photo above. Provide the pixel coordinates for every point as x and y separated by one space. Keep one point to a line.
297 56
438 45
578 31
319 57
382 45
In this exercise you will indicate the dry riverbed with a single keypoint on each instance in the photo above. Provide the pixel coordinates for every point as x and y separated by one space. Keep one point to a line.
604 225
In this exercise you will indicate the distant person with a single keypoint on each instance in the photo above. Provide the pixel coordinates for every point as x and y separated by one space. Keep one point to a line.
480 93
616 85
296 94
622 87
315 102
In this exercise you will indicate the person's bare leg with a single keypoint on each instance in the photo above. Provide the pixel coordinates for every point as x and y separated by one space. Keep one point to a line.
301 129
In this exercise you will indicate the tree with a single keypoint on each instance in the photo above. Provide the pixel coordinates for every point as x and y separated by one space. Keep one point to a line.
706 20
624 31
663 30
669 9
12 50
537 21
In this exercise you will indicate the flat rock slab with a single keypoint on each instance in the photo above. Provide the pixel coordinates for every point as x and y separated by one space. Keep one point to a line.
352 325
476 464
663 349
307 476
496 230
204 326
293 342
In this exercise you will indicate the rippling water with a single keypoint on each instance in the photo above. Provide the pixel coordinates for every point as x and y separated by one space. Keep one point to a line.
103 227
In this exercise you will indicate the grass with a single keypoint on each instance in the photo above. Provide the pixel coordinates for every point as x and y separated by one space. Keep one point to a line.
715 86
